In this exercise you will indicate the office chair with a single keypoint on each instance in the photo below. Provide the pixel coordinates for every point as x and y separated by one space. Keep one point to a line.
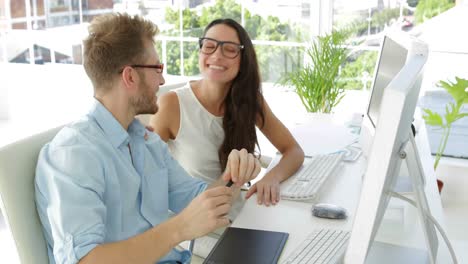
17 171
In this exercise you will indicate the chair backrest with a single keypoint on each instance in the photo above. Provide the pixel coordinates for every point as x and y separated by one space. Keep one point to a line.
17 170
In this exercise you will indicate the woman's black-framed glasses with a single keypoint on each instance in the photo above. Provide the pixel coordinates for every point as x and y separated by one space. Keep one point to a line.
228 49
159 67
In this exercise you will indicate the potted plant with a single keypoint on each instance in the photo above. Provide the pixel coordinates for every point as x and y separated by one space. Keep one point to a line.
459 92
316 81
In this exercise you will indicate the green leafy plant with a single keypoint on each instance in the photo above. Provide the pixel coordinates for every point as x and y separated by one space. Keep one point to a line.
316 82
459 92
358 64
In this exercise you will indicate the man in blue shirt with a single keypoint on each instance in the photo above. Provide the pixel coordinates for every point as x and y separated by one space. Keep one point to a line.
105 185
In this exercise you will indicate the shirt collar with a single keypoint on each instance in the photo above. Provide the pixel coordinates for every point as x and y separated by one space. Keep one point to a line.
113 130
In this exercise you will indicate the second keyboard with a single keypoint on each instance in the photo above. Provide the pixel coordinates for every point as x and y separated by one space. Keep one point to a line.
322 246
306 183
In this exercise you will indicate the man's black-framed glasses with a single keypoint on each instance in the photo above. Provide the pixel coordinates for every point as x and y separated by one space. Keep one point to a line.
159 67
228 49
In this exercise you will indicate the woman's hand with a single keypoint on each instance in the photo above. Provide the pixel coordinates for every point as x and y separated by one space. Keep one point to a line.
241 167
268 190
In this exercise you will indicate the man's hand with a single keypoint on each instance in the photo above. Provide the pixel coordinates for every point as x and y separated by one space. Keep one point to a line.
268 190
207 212
241 167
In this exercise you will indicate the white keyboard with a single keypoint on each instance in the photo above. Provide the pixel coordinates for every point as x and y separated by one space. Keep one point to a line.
306 183
324 246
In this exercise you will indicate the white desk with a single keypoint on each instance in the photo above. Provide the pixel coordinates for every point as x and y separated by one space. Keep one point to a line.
296 219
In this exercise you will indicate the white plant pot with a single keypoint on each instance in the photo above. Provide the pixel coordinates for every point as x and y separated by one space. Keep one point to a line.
454 174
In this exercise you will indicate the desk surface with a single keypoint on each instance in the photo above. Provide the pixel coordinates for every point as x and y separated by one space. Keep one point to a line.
400 225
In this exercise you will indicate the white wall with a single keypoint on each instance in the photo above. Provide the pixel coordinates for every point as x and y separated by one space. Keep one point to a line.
443 66
41 97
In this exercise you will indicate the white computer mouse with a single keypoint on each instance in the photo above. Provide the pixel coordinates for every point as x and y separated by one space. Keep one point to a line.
330 211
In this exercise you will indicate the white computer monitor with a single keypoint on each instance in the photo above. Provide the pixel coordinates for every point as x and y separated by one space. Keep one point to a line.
392 57
392 138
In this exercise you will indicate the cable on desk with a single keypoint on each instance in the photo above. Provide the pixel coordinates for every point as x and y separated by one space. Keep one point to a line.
433 220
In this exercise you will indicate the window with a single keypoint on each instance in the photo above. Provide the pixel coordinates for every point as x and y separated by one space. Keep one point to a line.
368 18
279 28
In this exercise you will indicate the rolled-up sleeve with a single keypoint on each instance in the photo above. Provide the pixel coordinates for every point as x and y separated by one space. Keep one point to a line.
182 187
69 194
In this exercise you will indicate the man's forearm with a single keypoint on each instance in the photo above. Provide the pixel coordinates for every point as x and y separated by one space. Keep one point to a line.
147 247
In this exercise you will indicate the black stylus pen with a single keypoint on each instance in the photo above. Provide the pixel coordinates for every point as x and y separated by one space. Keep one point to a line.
230 183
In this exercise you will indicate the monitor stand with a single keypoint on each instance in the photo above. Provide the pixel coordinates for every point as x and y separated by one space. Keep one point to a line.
416 172
409 153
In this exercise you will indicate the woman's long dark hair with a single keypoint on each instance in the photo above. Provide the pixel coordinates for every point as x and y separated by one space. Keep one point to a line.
244 102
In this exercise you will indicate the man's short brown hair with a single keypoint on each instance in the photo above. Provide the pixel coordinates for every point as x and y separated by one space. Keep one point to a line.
115 40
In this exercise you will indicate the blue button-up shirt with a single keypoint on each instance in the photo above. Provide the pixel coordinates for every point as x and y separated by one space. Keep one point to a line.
98 183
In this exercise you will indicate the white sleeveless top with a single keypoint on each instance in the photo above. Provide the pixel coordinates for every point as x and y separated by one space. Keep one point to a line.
196 149
197 142
199 138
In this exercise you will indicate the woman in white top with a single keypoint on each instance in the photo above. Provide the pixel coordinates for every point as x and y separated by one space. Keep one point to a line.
208 118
